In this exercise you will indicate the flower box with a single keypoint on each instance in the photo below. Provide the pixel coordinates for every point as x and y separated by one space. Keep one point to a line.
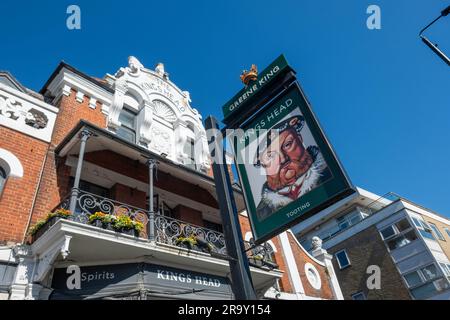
44 224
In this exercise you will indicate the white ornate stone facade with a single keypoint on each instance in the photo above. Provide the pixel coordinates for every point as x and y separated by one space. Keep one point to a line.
165 116
24 113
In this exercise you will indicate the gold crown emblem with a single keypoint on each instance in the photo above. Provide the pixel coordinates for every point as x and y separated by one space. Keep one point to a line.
251 75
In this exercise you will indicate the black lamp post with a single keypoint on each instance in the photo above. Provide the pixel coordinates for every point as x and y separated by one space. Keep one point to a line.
432 46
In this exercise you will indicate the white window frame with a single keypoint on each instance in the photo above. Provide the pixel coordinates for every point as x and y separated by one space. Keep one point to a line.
424 226
437 233
447 230
129 110
422 277
339 262
397 232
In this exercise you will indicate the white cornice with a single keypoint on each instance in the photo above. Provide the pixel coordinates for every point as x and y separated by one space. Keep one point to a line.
413 207
28 98
68 78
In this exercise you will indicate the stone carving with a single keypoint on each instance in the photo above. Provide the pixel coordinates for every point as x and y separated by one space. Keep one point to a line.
145 119
161 141
161 109
121 88
316 243
36 119
160 71
133 69
187 98
205 163
12 109
134 65
9 108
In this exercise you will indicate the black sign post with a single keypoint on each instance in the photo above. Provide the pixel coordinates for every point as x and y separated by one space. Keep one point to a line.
240 272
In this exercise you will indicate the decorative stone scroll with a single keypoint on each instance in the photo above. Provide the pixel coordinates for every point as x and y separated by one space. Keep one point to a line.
14 110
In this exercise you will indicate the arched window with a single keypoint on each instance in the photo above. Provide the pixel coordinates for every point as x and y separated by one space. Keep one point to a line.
127 129
3 177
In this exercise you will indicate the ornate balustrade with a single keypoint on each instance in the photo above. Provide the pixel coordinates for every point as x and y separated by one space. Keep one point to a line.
88 204
167 230
180 233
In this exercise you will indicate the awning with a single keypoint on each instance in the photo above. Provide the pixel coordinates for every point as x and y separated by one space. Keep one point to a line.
137 281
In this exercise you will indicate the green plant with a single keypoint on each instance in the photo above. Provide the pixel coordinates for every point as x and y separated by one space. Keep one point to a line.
109 219
97 216
60 213
138 226
39 224
123 222
191 240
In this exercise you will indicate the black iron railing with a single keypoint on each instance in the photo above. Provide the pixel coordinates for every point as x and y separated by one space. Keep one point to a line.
168 230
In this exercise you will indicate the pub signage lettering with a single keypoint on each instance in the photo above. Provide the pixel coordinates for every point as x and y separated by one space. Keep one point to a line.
266 77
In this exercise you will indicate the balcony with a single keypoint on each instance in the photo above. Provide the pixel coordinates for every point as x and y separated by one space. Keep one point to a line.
167 231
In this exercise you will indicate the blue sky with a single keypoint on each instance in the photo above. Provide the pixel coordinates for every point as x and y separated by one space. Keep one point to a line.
381 96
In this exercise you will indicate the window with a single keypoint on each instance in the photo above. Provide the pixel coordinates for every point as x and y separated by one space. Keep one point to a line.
425 282
413 279
448 231
3 178
436 231
402 240
359 296
189 148
342 259
351 219
429 272
398 234
417 223
446 268
127 130
388 232
424 229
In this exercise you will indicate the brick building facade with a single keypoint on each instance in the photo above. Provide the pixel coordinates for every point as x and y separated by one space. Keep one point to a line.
385 248
90 145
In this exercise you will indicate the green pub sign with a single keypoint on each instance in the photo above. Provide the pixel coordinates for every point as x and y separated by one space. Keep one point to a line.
286 166
265 78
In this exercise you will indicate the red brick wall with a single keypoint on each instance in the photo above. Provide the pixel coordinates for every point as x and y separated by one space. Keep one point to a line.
301 258
285 282
17 197
55 180
71 112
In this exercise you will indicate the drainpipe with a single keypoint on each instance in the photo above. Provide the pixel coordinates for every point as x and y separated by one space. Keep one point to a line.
85 135
35 195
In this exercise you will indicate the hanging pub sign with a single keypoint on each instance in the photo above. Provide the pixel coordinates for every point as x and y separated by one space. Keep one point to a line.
287 168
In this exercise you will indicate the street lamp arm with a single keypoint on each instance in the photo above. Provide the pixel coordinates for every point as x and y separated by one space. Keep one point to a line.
429 25
432 46
444 13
